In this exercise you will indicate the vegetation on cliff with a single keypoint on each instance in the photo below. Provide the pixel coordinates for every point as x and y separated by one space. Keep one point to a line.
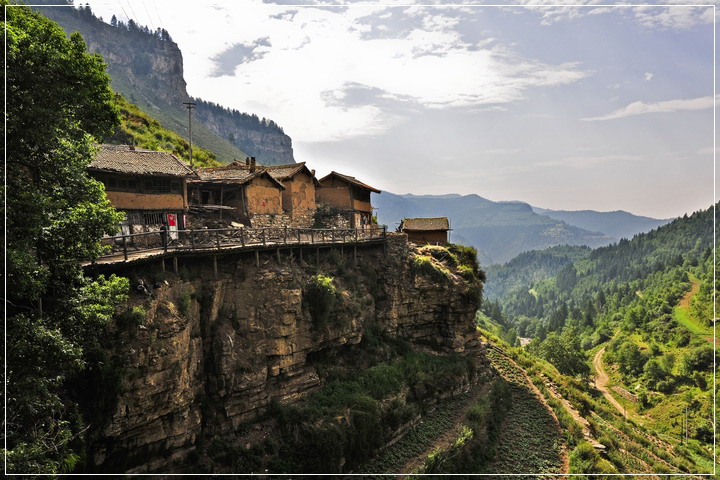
58 103
140 129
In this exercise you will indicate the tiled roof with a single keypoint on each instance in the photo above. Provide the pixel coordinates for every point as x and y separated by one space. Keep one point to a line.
233 173
284 172
127 159
351 180
440 223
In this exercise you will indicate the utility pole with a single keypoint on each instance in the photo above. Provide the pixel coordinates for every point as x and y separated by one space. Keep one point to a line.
190 107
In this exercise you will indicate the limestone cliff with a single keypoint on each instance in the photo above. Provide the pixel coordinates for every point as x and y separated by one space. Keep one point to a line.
148 71
212 353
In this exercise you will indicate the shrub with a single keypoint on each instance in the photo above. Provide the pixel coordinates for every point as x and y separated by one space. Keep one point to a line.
184 303
441 254
699 359
132 317
424 265
323 214
467 256
321 296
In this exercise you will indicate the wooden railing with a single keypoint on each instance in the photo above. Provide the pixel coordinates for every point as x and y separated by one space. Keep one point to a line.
219 238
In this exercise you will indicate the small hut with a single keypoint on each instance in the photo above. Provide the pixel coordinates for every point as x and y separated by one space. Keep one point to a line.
426 230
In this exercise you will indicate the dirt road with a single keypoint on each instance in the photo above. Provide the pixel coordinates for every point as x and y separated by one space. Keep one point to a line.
601 381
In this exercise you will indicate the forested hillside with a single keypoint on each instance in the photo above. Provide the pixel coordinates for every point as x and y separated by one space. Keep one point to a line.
530 267
643 309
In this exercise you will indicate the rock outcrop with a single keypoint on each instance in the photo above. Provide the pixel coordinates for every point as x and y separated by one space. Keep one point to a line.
212 353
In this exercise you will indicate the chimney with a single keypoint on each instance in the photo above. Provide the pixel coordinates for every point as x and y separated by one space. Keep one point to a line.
247 161
252 164
312 172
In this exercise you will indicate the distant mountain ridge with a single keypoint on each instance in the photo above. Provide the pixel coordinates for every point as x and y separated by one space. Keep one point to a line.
618 224
147 69
499 230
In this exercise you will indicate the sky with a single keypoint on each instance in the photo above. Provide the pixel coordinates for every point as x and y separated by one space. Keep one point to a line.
576 107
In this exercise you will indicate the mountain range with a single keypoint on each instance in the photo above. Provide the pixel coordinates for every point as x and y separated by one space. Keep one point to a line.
618 224
502 230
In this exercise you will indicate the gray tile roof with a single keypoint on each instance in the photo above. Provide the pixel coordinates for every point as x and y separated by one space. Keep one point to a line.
285 172
127 159
351 180
440 223
233 173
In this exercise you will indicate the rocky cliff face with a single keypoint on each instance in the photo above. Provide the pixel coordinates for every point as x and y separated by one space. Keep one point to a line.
268 143
148 71
211 353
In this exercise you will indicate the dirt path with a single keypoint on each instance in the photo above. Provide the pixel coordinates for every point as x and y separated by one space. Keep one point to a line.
601 381
685 300
582 421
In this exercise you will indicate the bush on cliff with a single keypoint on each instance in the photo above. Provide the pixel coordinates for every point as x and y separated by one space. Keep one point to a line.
424 265
320 296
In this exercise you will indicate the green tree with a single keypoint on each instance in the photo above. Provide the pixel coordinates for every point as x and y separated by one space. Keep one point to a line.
58 101
653 373
564 351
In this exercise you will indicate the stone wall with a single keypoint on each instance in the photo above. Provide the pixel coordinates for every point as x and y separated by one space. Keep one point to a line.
261 220
340 220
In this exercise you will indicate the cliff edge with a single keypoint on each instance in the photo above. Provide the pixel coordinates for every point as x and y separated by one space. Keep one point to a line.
204 357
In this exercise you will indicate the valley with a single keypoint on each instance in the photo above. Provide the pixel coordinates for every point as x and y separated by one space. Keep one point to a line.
236 320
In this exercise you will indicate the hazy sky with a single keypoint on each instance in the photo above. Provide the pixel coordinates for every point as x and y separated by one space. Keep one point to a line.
567 108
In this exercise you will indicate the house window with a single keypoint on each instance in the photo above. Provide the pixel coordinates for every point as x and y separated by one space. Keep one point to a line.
162 185
145 218
119 184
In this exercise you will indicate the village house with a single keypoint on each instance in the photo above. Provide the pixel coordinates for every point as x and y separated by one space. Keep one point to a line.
149 187
426 230
241 192
348 195
298 198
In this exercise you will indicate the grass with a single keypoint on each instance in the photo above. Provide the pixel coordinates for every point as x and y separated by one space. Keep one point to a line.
428 266
681 314
142 130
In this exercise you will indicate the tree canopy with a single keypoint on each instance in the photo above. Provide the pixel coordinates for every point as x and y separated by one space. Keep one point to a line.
58 102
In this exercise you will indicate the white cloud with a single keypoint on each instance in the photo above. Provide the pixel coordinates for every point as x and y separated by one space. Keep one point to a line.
680 17
675 16
648 76
324 50
668 106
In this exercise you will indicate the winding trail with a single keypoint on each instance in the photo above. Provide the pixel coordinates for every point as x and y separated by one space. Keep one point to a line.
601 381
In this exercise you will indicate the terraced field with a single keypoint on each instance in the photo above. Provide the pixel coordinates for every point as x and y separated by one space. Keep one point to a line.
530 440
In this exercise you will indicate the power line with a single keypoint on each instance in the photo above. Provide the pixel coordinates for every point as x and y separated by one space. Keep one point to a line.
123 9
135 17
158 13
148 15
